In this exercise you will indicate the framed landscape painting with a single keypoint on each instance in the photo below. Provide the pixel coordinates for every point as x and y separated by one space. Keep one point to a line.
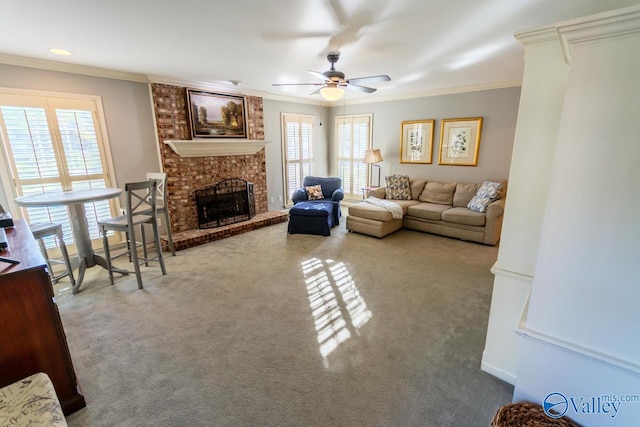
416 141
460 141
216 115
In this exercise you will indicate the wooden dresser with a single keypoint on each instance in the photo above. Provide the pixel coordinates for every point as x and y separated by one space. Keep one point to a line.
31 336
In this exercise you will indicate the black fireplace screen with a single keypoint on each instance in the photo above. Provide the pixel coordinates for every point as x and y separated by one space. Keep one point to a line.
224 203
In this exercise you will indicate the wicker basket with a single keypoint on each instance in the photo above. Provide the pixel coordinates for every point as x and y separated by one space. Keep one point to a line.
525 414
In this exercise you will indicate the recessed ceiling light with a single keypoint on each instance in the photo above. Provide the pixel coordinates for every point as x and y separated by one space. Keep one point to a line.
60 51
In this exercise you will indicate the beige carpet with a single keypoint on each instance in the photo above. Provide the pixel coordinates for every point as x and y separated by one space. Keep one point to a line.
270 329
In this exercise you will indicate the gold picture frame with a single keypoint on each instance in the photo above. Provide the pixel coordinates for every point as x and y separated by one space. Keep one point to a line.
460 141
216 115
416 141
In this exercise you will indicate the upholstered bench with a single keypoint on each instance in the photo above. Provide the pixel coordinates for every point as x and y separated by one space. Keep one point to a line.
31 401
312 218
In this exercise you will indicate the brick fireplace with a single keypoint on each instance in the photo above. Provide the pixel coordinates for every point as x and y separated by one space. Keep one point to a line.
186 174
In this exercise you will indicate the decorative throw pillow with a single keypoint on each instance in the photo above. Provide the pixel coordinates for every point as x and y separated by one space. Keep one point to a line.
488 192
397 187
314 192
440 193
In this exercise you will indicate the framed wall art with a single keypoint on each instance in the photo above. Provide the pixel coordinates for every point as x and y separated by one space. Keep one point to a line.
460 141
216 115
416 141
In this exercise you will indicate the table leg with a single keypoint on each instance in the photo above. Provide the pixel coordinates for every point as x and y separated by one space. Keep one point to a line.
86 257
82 267
103 263
81 233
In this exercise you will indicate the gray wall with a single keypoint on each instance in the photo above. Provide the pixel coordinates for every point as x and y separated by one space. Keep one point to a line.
127 109
129 121
272 131
498 107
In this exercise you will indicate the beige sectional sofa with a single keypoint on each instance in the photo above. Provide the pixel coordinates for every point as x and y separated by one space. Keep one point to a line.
433 207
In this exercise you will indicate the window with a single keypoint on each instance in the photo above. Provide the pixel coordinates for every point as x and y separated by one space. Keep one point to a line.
297 140
53 143
353 138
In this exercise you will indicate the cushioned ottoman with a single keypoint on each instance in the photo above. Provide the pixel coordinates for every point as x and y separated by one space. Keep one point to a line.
312 218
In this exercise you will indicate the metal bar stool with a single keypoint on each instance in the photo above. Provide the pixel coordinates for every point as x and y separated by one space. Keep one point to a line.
141 197
40 230
161 204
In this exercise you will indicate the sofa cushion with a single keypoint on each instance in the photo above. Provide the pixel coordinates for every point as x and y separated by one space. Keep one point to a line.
397 187
314 192
464 193
432 211
464 216
488 192
369 211
404 204
416 188
438 192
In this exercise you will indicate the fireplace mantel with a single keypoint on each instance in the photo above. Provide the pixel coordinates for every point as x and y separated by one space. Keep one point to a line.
218 147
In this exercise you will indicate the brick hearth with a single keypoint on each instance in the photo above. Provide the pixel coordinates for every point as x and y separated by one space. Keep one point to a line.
188 239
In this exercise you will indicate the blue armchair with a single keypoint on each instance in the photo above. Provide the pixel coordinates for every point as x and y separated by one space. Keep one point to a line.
331 192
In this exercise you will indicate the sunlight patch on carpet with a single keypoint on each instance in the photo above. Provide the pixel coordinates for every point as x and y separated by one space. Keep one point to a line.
338 310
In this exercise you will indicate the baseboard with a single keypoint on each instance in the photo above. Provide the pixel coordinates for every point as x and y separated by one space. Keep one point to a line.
499 373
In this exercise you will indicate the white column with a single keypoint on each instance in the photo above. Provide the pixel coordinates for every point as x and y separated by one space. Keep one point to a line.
580 330
541 101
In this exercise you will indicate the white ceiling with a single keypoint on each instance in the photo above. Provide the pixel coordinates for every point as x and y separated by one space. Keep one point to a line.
425 46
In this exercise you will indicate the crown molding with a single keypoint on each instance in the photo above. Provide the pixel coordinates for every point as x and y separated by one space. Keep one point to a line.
603 26
229 87
432 92
546 34
216 86
64 67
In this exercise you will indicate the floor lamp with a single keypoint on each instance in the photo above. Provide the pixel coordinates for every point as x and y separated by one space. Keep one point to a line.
372 157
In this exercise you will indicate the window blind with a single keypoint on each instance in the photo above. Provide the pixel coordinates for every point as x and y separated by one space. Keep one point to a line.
298 151
54 144
353 138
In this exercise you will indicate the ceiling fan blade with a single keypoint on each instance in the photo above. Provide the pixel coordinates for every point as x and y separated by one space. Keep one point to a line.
370 79
297 84
338 12
358 88
317 90
318 75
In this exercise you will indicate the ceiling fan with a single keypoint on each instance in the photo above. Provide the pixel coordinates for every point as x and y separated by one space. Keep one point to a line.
334 81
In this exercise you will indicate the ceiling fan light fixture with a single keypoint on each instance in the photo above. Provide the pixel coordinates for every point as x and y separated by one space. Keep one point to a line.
331 93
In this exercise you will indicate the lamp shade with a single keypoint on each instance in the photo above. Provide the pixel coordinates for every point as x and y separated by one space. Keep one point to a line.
331 93
372 156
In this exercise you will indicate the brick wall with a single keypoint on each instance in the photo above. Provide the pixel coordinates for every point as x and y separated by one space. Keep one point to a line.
185 174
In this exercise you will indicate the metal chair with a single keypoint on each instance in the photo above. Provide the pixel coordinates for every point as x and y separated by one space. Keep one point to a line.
161 204
140 209
40 230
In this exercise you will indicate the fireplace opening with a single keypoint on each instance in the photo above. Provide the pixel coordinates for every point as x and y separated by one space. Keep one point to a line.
224 203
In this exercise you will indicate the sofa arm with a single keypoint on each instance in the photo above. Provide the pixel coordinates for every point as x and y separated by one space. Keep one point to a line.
493 224
337 195
299 196
379 193
495 209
